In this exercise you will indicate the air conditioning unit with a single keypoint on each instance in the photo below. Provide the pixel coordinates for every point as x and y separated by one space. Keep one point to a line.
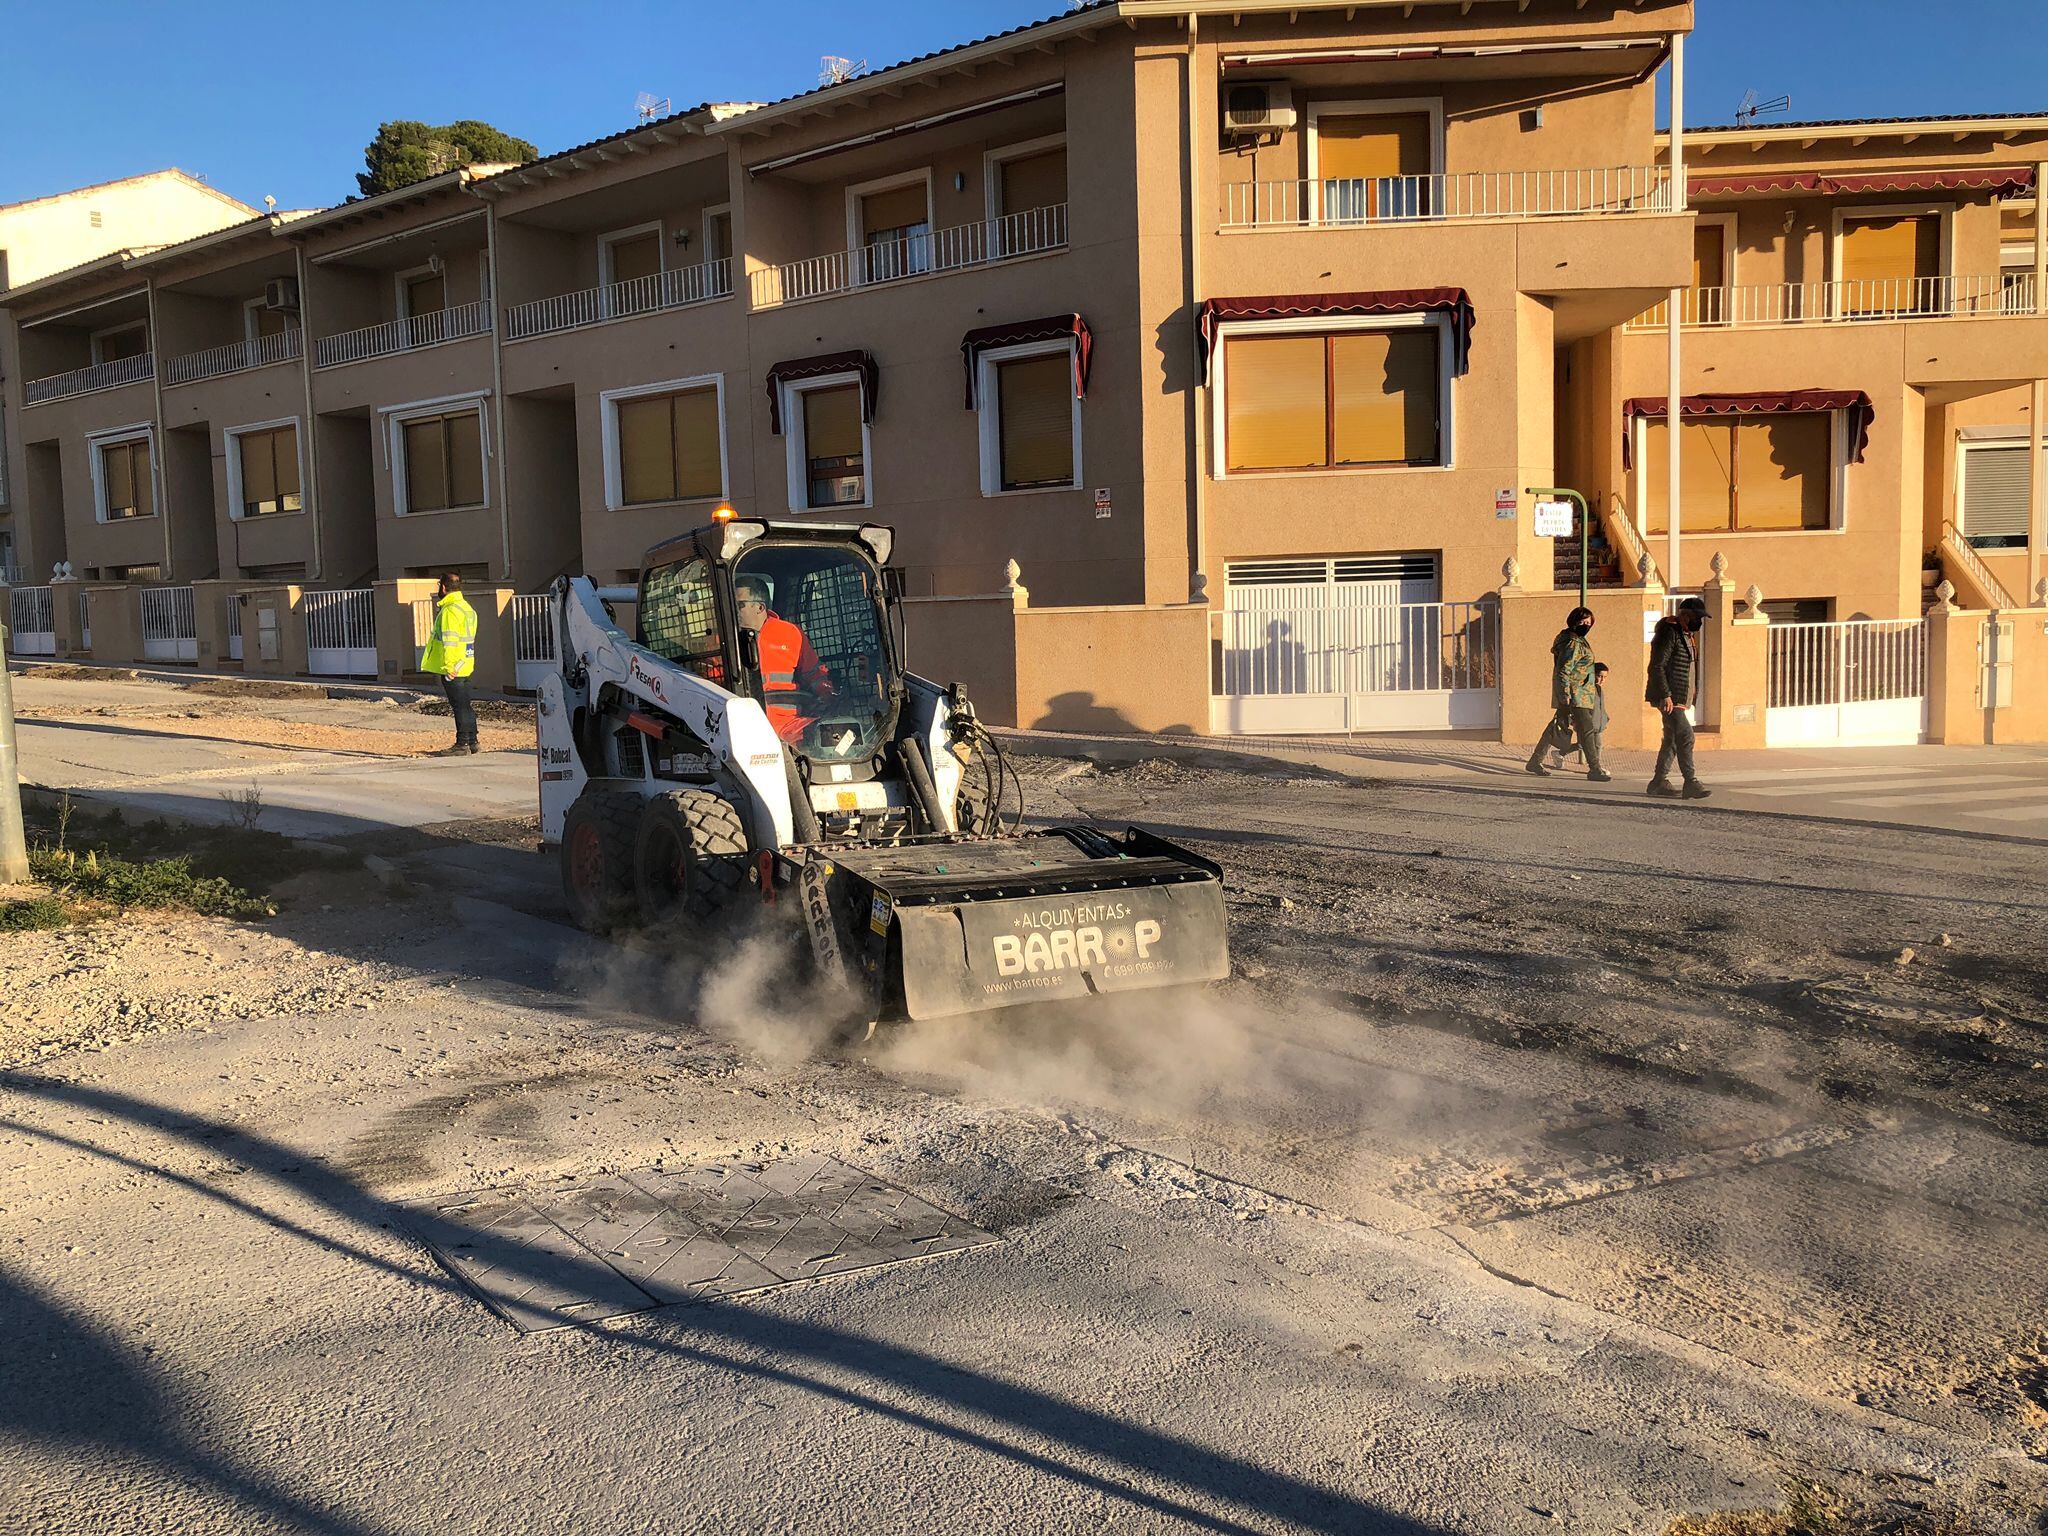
1258 106
281 293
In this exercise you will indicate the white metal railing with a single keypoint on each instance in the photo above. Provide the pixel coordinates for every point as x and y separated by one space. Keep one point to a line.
670 289
1953 297
32 621
941 250
85 620
1332 639
1627 540
1849 661
83 381
428 330
170 628
232 626
1959 549
533 639
341 632
1351 201
236 356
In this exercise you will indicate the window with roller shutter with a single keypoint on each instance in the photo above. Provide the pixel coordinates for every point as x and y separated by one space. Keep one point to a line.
1995 494
1346 399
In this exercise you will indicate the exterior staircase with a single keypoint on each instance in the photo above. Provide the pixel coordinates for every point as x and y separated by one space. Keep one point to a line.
1975 585
1603 562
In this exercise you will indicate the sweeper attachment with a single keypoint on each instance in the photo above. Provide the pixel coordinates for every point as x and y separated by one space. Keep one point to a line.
755 749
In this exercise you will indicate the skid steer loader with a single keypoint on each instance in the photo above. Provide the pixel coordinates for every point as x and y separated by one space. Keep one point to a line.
755 748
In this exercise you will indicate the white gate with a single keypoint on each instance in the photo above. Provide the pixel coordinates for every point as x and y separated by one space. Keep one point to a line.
32 621
341 633
1350 655
85 621
1856 682
170 624
533 641
233 627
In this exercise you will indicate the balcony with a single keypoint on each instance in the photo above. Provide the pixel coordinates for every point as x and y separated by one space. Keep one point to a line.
1030 233
83 381
235 357
1468 197
2000 295
674 288
408 335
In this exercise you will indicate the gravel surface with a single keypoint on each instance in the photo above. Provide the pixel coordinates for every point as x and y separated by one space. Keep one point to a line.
1538 1168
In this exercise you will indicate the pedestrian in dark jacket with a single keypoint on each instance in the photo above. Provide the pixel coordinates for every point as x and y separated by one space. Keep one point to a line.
1574 698
1674 663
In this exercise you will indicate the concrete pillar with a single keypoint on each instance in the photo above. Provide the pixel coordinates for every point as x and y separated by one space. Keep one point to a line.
1735 664
274 632
116 623
1957 714
210 602
68 619
398 659
2037 483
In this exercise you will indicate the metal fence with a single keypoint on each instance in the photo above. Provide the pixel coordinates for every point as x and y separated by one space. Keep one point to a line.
533 639
32 621
670 289
1851 661
1945 297
83 381
428 330
170 627
1339 639
85 620
1348 201
913 255
235 357
341 633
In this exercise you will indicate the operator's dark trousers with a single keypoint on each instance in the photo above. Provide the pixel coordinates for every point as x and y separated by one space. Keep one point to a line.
457 689
1564 725
1677 748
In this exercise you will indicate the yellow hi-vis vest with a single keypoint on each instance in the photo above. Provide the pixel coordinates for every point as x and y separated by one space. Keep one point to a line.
451 649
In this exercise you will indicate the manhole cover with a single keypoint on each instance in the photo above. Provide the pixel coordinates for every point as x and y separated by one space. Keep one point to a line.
1898 1003
660 1237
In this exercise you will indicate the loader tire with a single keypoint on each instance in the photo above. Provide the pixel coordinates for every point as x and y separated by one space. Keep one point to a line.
689 858
597 859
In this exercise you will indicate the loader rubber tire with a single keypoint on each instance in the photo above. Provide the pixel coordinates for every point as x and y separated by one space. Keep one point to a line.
597 859
689 858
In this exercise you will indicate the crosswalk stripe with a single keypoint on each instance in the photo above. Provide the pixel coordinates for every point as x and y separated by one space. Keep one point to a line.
2013 813
1782 775
2037 792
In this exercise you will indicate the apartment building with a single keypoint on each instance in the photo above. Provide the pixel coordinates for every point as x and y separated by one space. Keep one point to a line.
1241 332
50 234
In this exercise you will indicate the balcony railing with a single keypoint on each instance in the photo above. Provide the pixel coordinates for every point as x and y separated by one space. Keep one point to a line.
234 357
1847 302
414 331
941 250
1349 202
671 289
83 381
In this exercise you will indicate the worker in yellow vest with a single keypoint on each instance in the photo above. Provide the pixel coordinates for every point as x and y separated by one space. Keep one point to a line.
451 656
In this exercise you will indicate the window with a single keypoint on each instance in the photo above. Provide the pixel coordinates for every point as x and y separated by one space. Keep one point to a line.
260 322
664 443
442 461
1994 489
632 255
1713 240
828 444
1373 160
1889 264
891 225
122 341
421 292
1755 474
1030 419
1027 196
1334 400
678 618
264 470
122 478
718 233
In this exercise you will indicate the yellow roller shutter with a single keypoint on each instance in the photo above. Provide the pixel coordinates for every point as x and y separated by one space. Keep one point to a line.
1034 181
1372 145
699 469
1276 402
1035 420
1383 397
636 257
1706 475
259 472
897 209
465 460
426 465
1881 258
1784 468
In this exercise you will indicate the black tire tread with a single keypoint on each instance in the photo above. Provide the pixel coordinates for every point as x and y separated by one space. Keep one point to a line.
618 818
718 846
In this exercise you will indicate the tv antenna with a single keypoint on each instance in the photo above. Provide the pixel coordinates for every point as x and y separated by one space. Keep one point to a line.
832 69
1752 107
649 106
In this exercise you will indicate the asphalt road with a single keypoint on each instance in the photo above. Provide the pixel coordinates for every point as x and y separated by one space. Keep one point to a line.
1536 1171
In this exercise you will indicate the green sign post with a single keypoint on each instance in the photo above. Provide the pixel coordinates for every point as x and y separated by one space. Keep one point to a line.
1553 493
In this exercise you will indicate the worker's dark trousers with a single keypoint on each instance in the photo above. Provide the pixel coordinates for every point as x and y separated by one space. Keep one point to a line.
1566 723
457 689
1677 748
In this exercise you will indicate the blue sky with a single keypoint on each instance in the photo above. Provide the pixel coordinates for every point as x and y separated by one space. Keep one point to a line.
281 99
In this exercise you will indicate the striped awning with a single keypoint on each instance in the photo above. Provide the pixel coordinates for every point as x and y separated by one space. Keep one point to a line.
1764 403
1999 180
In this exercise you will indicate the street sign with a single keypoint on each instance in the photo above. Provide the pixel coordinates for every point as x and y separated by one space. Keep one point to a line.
1553 519
1103 504
1504 503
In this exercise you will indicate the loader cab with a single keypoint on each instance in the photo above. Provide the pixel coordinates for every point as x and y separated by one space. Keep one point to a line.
796 619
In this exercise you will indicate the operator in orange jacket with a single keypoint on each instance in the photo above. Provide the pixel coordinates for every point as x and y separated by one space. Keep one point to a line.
788 664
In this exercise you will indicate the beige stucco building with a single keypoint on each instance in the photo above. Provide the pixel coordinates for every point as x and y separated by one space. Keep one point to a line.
1209 317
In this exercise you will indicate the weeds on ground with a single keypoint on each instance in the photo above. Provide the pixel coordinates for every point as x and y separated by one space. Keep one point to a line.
163 884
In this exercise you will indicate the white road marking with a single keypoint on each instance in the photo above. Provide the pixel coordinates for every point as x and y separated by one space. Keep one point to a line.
2013 813
1836 790
2037 792
1780 775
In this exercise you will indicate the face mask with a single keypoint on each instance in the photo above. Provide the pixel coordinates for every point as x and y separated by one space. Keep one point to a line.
1582 629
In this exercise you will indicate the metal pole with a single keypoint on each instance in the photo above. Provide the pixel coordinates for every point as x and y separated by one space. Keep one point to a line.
1585 529
13 846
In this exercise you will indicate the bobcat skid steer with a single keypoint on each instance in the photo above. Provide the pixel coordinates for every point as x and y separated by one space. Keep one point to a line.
755 748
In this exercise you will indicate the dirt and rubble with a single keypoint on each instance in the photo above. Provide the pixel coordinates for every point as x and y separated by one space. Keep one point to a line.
1540 1166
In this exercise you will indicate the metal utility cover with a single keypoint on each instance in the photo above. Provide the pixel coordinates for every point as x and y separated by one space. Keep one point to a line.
649 1238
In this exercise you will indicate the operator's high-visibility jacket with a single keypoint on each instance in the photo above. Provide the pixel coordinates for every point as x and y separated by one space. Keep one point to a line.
787 664
451 648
